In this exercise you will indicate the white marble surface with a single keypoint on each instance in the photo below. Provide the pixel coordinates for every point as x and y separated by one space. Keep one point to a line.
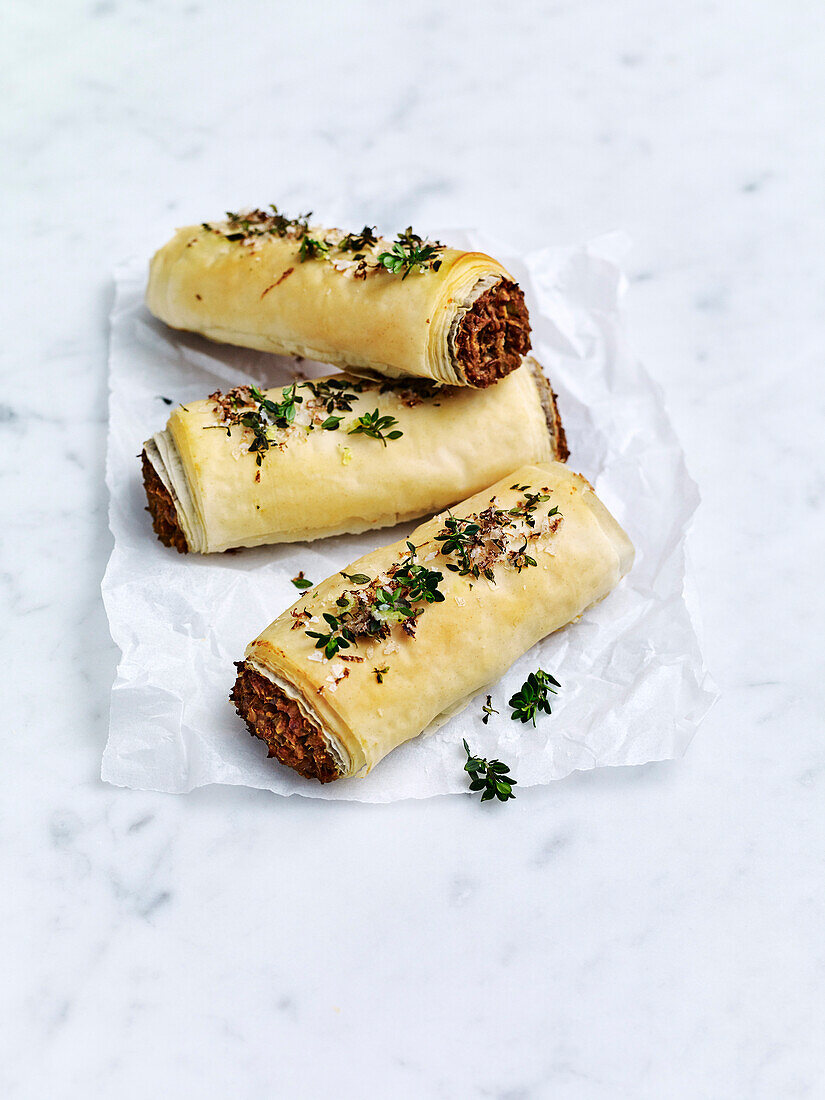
654 932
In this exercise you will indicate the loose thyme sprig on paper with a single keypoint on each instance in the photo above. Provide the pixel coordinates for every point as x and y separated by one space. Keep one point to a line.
488 709
490 776
301 581
533 696
375 426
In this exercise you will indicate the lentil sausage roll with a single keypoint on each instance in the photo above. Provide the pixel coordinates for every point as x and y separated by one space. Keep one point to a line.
405 636
338 454
404 308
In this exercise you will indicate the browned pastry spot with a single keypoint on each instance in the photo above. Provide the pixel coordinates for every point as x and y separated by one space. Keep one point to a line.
493 335
162 508
276 719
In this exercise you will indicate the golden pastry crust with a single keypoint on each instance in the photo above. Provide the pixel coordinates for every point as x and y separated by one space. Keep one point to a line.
460 321
311 483
515 562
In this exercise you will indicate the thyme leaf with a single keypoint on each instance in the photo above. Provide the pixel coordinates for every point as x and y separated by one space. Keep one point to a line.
489 776
488 709
355 242
409 253
334 395
338 637
311 248
301 581
458 538
419 582
532 698
374 425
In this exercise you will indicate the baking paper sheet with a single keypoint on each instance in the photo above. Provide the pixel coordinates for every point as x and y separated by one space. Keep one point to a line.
634 685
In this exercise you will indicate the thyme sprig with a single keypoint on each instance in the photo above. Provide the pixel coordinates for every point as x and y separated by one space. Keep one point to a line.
280 413
338 637
333 394
356 242
261 420
410 253
369 612
527 507
488 709
301 581
258 223
520 559
392 604
458 538
374 425
532 699
489 776
311 248
419 582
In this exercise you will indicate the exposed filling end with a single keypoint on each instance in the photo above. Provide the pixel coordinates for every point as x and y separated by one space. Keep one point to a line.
549 404
290 737
493 335
162 508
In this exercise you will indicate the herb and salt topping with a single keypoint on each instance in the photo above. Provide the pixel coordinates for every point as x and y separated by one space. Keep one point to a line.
478 542
257 223
334 394
269 422
378 604
247 407
408 253
312 249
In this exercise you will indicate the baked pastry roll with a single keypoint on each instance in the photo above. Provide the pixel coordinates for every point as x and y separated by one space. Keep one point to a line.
405 636
338 454
363 303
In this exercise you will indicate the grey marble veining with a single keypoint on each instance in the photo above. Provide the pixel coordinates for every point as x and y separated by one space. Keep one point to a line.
651 932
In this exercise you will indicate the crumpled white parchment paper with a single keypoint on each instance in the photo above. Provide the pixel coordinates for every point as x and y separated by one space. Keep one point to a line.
634 685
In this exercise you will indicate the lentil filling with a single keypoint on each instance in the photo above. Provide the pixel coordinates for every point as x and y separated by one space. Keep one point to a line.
290 737
162 508
493 335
